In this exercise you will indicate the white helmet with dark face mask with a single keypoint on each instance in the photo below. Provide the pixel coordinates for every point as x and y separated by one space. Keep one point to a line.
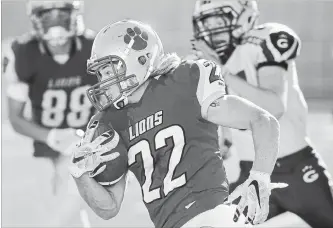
123 56
221 23
56 21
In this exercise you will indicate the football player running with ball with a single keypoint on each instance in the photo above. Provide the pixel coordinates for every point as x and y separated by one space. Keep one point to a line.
47 67
166 112
259 65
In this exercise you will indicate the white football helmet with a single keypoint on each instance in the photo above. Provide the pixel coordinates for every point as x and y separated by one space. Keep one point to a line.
221 23
123 56
56 21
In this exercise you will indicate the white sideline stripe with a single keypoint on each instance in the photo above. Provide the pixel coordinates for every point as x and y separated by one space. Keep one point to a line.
84 218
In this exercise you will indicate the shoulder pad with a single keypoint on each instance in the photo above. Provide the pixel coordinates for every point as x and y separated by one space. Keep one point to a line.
26 38
210 85
280 43
89 34
209 69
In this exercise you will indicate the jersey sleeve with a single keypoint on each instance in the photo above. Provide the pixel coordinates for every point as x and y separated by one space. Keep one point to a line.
280 44
89 34
210 86
17 87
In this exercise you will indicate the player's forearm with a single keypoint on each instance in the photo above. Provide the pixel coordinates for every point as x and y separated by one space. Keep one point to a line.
235 112
97 197
265 132
28 128
266 99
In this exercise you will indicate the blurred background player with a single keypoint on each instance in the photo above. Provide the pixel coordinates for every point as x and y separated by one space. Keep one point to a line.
48 68
260 66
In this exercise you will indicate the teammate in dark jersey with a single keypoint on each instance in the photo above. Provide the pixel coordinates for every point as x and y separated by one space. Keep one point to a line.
167 112
47 68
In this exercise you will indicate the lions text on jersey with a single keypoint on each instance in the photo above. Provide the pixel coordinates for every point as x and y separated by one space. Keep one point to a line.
172 150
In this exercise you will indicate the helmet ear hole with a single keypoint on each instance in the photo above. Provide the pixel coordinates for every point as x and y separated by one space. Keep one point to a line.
249 19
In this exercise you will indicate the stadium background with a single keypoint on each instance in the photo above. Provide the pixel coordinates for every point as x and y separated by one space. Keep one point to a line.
22 203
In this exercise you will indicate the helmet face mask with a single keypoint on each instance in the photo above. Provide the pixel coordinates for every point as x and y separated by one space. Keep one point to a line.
55 21
113 81
55 25
123 56
216 31
222 23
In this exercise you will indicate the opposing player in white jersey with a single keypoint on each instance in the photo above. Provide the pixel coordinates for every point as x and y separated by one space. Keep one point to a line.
259 63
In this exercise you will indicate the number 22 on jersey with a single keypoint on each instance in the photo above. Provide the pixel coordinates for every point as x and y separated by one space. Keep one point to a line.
169 182
54 105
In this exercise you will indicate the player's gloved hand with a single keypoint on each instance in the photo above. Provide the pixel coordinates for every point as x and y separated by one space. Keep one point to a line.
60 139
90 156
254 193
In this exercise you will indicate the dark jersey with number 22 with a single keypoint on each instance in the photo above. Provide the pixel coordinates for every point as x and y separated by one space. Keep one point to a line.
172 150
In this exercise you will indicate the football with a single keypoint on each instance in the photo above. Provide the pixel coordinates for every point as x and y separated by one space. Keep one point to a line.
116 168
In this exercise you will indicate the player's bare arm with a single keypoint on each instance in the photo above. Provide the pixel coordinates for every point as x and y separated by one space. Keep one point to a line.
270 95
93 169
58 139
235 112
17 96
23 126
105 201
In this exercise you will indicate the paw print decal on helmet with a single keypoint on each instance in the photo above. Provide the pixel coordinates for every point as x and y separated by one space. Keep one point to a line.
140 38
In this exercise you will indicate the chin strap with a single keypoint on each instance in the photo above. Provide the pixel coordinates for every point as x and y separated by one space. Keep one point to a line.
121 102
